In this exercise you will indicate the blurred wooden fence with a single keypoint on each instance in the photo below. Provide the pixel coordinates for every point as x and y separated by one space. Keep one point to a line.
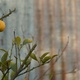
51 22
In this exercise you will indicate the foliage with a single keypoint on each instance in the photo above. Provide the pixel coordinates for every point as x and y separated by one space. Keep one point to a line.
9 63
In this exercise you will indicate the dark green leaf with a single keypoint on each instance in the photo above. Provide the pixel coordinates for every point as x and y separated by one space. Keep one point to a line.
4 66
13 66
47 58
4 57
27 41
17 40
44 55
33 56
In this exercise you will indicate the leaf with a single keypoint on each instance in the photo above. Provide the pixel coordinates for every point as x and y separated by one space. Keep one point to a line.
17 40
47 58
6 77
7 62
27 41
4 57
54 56
13 66
44 55
28 62
33 56
3 50
3 66
12 74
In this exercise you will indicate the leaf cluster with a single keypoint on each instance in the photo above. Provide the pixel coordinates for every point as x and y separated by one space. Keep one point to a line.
9 63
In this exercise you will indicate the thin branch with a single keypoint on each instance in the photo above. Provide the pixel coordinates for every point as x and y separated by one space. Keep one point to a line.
16 52
2 71
5 74
30 69
10 12
20 69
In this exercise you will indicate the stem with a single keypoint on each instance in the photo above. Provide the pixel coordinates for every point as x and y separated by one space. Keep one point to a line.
11 51
19 56
56 59
16 52
10 12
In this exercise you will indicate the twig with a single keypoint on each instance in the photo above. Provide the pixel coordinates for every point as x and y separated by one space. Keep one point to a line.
16 52
56 59
5 74
2 71
10 12
30 69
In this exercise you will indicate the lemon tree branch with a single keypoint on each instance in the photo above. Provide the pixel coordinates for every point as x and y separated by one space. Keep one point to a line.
10 12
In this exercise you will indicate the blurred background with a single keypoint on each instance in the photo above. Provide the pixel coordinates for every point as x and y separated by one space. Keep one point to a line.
51 23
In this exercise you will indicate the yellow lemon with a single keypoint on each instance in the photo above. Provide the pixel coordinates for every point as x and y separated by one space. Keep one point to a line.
2 25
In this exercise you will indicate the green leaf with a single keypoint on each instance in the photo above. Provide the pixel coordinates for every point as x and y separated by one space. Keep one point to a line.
28 62
26 41
33 56
13 66
4 57
12 74
6 77
47 58
3 50
17 40
44 55
54 56
3 66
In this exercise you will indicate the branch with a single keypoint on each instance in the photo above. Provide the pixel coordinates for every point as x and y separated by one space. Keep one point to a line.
10 12
56 59
20 69
30 69
5 74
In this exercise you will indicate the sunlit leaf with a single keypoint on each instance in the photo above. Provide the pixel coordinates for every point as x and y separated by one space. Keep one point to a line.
27 41
4 57
13 66
44 55
17 40
33 56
